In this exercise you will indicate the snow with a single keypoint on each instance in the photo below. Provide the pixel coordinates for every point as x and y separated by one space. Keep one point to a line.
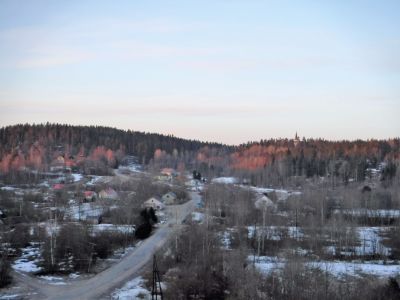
225 180
196 185
84 211
127 229
77 177
28 260
226 240
339 269
8 188
370 241
133 289
13 296
132 164
94 180
276 233
53 280
74 275
266 264
281 194
197 217
378 213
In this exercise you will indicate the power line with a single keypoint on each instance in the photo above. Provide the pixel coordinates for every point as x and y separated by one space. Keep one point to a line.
156 288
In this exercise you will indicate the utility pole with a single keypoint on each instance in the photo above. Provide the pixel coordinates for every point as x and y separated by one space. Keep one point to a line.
91 255
156 288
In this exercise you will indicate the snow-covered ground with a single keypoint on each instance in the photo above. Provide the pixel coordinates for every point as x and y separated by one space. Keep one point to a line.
195 185
268 264
225 180
94 179
84 211
53 280
8 188
369 243
226 238
131 163
133 289
276 233
127 229
280 193
376 213
197 217
76 177
28 262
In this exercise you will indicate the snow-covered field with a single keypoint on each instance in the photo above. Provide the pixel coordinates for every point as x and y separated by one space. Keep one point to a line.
376 213
276 233
268 264
84 211
133 289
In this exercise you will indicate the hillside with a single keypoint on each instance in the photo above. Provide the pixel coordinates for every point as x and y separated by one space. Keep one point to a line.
95 149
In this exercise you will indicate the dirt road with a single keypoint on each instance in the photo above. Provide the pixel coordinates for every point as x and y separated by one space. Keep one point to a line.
101 285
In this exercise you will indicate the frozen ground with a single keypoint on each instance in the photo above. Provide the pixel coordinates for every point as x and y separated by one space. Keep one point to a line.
95 179
276 233
133 289
127 229
28 262
77 177
377 213
53 280
84 211
339 269
197 217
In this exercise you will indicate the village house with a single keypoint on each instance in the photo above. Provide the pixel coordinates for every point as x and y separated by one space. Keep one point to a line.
169 198
155 203
109 194
167 174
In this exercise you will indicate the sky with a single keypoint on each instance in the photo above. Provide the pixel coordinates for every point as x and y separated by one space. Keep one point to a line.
228 71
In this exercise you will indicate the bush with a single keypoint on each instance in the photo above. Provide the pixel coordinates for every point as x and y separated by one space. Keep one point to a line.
143 231
5 269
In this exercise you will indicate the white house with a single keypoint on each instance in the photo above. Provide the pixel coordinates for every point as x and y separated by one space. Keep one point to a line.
169 198
155 203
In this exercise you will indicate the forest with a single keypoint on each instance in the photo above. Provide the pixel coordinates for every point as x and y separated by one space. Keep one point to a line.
95 149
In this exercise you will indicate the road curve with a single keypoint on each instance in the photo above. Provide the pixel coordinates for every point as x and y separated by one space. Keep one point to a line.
115 276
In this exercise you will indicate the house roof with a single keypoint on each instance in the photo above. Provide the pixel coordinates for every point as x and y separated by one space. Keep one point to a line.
154 200
171 194
58 186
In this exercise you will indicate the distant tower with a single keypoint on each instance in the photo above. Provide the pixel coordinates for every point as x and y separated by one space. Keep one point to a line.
296 140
